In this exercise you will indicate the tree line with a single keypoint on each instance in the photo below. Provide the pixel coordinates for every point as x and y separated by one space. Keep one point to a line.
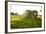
27 13
12 13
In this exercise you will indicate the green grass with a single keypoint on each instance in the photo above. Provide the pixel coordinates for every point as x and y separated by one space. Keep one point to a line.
25 22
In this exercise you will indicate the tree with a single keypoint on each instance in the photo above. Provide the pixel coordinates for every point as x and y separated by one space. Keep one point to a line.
28 12
31 13
12 13
16 14
35 12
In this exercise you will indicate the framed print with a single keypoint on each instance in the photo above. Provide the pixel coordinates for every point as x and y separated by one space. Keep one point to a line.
22 16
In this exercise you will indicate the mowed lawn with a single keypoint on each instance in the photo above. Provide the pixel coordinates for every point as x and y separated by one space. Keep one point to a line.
25 22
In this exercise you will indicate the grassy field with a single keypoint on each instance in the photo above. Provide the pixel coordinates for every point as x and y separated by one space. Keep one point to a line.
25 22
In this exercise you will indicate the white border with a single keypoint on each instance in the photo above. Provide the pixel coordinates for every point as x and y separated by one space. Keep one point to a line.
26 29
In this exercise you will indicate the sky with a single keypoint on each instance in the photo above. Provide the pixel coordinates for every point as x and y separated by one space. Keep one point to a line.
20 8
